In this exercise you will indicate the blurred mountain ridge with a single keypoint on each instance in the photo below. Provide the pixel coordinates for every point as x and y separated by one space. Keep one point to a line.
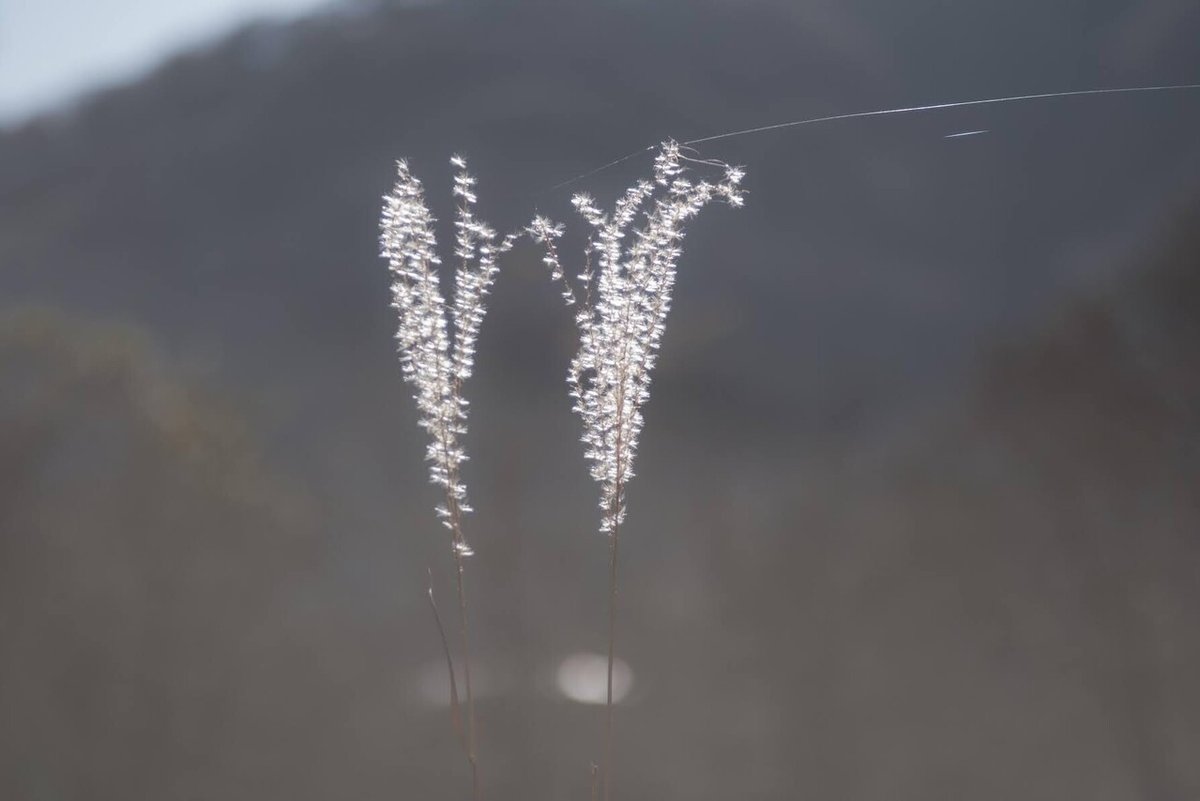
252 170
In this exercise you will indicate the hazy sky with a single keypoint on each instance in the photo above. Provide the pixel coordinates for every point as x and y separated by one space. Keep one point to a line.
52 50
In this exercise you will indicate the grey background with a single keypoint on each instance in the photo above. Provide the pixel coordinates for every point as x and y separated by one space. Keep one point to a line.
917 508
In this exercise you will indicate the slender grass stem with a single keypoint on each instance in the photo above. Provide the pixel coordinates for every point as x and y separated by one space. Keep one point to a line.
459 555
455 709
612 642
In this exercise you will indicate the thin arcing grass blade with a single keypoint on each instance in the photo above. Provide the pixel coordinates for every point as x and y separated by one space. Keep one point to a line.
455 709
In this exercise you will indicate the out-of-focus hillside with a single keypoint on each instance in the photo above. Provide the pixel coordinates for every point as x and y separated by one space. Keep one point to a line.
916 506
230 200
1008 592
145 547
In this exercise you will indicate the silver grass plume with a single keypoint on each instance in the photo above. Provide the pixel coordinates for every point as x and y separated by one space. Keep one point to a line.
624 294
437 350
437 354
621 309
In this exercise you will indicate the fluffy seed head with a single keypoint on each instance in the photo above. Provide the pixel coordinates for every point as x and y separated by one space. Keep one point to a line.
436 344
622 301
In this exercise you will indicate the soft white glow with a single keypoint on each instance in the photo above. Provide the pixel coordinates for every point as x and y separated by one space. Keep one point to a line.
582 677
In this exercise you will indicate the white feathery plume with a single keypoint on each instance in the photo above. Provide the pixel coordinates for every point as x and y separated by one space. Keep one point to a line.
626 295
437 351
626 283
437 354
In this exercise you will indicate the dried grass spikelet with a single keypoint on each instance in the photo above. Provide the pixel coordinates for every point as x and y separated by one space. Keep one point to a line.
437 354
621 299
436 345
621 306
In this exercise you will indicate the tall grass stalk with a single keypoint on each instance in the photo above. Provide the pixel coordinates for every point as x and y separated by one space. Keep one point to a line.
621 299
437 352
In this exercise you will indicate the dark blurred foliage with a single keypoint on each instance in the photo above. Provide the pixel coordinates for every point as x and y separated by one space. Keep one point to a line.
144 546
917 509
